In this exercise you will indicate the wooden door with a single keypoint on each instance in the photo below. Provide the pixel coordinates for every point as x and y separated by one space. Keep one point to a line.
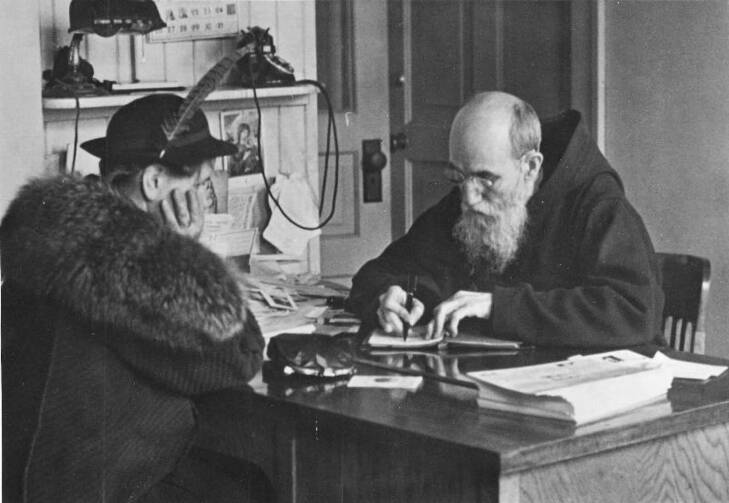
442 52
359 230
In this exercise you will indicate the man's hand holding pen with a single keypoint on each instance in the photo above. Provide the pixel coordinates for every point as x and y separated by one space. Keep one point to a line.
392 312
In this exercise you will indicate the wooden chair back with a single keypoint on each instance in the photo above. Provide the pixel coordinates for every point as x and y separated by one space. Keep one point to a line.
686 288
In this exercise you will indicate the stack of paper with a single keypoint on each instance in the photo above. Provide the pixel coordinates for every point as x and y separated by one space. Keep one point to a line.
581 389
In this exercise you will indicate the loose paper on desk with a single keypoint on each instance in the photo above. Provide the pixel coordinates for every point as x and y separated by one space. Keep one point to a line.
297 200
690 370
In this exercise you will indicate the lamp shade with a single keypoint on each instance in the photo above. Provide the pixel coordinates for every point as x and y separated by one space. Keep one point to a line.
109 17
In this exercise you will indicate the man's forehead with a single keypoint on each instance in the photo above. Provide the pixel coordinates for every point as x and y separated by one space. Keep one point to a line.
480 141
481 155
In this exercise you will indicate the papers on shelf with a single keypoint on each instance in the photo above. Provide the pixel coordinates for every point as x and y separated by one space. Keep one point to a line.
234 231
146 86
416 339
580 389
246 201
294 195
274 265
220 236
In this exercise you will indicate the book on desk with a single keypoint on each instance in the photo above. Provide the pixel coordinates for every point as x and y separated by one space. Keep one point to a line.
416 339
581 389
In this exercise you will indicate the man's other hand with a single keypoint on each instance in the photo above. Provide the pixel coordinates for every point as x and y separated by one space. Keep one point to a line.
462 304
183 213
392 312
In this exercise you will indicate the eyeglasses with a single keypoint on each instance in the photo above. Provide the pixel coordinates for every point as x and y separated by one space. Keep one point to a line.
484 179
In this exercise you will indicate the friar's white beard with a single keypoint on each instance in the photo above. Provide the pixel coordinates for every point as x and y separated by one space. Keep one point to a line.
490 235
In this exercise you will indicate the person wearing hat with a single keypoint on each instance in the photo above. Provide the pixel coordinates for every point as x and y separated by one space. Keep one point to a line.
114 318
163 182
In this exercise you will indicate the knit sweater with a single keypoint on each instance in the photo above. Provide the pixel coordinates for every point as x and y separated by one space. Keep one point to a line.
584 276
111 325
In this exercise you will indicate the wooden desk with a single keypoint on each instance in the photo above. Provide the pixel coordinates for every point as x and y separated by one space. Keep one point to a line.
326 443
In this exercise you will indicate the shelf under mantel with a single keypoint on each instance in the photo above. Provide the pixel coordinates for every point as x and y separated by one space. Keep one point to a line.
220 94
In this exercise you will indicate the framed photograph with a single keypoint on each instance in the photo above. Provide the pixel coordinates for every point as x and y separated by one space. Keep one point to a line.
240 127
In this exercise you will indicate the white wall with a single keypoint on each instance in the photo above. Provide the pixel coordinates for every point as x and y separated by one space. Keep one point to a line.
21 121
667 130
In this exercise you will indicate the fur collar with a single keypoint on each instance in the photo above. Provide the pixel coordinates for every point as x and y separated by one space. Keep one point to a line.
79 245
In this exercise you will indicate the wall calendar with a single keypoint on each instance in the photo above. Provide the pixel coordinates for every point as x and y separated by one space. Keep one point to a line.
192 20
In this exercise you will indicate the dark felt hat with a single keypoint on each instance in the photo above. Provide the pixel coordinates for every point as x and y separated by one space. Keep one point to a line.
135 134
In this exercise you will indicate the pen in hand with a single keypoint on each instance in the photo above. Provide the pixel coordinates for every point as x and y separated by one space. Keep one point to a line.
412 285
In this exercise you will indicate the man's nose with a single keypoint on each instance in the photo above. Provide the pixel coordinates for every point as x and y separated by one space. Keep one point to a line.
472 194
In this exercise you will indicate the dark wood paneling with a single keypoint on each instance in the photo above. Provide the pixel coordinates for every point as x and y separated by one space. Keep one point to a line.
537 53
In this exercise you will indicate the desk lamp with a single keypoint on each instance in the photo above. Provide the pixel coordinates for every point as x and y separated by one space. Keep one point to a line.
72 76
109 17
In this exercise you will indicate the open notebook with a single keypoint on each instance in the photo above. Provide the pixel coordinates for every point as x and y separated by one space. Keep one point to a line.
416 339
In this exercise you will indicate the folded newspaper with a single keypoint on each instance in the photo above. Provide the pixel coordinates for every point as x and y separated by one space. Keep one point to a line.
581 389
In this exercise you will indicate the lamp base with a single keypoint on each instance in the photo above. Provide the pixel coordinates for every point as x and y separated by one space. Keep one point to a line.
69 88
72 76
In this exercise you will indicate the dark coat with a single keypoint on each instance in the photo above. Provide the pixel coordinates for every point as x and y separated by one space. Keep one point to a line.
111 324
585 275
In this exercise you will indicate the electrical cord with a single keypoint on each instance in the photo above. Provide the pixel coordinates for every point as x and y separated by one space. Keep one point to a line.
326 169
330 124
331 128
75 132
71 90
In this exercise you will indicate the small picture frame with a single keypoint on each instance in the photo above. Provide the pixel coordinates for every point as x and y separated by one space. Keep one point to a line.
240 127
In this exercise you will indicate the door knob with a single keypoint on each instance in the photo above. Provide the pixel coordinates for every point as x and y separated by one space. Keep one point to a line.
398 141
399 81
373 162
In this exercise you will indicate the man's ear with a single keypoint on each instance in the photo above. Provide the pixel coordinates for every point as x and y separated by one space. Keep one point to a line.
154 182
533 162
